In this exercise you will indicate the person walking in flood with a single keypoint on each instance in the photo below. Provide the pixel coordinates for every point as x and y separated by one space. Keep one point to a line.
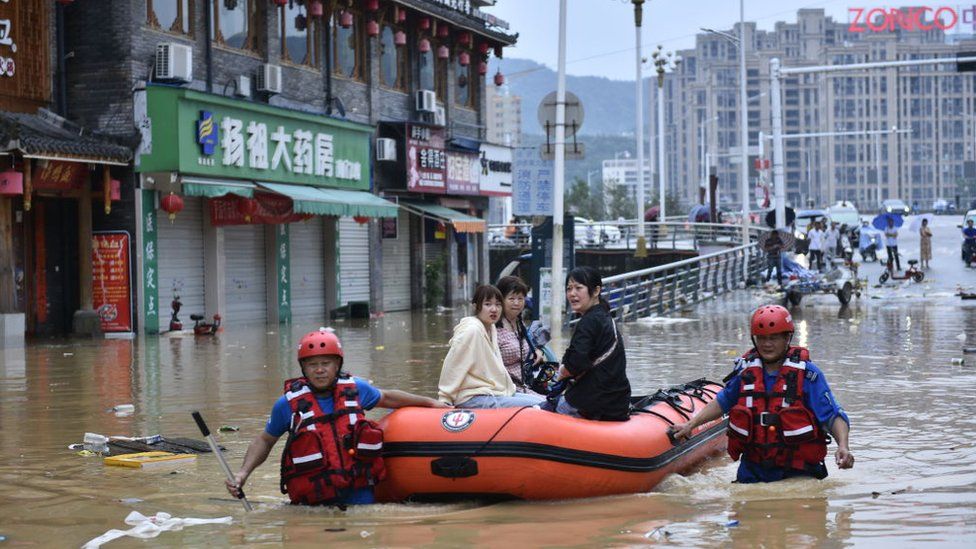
816 238
332 456
473 374
925 244
594 366
780 408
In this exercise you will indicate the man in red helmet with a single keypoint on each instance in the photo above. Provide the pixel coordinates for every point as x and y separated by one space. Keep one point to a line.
332 456
780 407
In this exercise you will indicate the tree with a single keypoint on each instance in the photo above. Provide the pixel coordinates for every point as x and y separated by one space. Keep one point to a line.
620 203
583 202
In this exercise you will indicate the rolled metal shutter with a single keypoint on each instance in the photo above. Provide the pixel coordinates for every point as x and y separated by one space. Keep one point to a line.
396 267
180 259
353 261
245 281
308 284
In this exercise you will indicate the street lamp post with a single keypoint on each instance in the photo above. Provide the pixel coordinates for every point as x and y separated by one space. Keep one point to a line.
557 296
663 62
743 129
641 248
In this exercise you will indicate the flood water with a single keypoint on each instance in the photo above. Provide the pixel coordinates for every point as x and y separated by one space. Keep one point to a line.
888 361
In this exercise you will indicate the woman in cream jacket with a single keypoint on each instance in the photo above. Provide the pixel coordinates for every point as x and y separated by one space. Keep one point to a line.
473 375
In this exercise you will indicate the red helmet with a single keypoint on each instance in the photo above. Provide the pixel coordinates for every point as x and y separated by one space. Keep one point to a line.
321 342
771 319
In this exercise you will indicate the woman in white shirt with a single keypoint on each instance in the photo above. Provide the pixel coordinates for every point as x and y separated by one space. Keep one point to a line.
816 238
473 375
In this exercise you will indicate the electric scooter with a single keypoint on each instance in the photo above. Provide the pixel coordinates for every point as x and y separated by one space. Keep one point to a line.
911 273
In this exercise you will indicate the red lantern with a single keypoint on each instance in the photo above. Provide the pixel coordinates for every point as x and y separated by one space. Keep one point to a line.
345 19
498 51
372 28
401 14
483 48
464 59
423 23
443 31
315 8
499 78
248 207
400 38
372 5
281 3
115 190
361 219
11 183
443 52
482 68
172 204
424 45
464 38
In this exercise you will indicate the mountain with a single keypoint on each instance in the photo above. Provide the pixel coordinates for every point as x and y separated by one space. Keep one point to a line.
608 105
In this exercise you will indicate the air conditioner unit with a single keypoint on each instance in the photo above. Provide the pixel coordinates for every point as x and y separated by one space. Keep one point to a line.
174 62
426 101
269 78
243 86
385 149
440 117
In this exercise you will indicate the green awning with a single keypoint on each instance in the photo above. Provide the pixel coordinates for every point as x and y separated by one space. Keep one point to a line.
337 202
463 223
212 188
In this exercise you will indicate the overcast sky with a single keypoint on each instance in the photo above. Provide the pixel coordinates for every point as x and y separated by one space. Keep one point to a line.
600 33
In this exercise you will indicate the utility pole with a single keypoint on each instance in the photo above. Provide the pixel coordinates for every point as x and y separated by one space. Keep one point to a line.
559 174
641 248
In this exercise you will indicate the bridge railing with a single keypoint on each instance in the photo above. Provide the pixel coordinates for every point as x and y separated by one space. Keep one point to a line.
671 235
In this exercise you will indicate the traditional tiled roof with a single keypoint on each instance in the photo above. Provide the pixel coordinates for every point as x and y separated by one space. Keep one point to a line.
460 20
46 134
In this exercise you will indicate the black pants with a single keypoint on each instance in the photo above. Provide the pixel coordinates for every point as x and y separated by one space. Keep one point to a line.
774 261
818 255
893 256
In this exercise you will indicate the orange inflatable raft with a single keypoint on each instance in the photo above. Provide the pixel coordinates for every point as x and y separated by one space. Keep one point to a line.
526 453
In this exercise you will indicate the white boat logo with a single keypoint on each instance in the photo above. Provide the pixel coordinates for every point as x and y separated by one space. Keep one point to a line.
457 420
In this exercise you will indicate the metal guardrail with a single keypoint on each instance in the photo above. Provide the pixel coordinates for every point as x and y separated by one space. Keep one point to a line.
672 235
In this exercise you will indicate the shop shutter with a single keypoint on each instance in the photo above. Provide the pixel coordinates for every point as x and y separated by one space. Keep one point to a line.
396 267
308 284
180 258
245 283
353 261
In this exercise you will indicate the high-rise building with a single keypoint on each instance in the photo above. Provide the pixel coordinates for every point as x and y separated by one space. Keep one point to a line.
504 117
935 102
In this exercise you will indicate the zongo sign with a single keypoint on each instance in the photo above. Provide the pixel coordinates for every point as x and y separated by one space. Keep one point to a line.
921 18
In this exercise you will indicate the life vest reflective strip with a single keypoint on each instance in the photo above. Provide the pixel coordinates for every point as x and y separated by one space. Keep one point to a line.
773 427
324 454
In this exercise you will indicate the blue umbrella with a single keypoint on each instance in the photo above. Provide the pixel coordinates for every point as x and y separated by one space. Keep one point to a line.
697 212
880 222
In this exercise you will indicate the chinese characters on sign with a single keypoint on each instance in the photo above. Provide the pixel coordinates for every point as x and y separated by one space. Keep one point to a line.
496 170
426 159
150 275
532 188
110 280
463 173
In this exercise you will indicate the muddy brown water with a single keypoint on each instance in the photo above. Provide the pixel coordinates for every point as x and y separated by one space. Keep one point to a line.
889 363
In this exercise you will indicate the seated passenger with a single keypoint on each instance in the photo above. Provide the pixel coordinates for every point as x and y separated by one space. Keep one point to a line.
595 364
473 375
513 339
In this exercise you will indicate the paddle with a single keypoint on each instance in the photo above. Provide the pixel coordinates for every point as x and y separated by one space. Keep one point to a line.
220 457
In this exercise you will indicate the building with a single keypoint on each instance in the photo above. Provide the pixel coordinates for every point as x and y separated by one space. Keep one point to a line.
622 172
504 116
934 102
243 145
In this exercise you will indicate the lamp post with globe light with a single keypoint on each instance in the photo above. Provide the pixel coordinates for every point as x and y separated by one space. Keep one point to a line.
663 62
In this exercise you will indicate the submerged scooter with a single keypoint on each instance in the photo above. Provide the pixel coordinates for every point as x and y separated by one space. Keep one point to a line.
911 273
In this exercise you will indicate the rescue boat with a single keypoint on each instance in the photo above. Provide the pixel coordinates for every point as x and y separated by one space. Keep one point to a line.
526 453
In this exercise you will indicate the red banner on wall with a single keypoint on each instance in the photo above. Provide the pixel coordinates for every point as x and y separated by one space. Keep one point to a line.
60 176
272 209
111 287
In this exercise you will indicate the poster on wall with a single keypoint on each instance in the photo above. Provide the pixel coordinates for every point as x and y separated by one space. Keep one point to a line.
463 173
496 170
426 159
111 284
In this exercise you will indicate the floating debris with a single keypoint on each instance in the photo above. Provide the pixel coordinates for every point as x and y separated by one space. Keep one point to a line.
229 428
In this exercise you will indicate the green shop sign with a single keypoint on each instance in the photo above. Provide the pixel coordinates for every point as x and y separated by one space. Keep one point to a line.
209 135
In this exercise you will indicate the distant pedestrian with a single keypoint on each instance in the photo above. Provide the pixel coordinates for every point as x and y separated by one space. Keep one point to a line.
925 244
773 246
969 244
891 243
816 238
831 238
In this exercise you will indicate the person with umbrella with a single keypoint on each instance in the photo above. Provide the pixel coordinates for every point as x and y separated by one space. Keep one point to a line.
891 242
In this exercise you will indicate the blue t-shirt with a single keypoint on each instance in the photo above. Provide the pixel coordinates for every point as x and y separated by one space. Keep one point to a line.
280 419
816 396
969 232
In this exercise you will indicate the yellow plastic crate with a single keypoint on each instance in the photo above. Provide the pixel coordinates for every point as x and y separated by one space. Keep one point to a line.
146 460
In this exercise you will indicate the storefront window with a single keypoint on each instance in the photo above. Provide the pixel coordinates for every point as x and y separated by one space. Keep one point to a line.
464 84
392 61
170 15
233 23
346 47
299 32
425 62
440 79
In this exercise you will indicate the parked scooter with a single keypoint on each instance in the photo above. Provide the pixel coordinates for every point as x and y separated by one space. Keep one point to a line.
205 328
911 273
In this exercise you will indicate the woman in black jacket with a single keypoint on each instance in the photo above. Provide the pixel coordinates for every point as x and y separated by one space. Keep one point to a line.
594 363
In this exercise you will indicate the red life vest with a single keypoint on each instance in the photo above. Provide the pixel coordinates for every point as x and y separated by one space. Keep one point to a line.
774 427
328 453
